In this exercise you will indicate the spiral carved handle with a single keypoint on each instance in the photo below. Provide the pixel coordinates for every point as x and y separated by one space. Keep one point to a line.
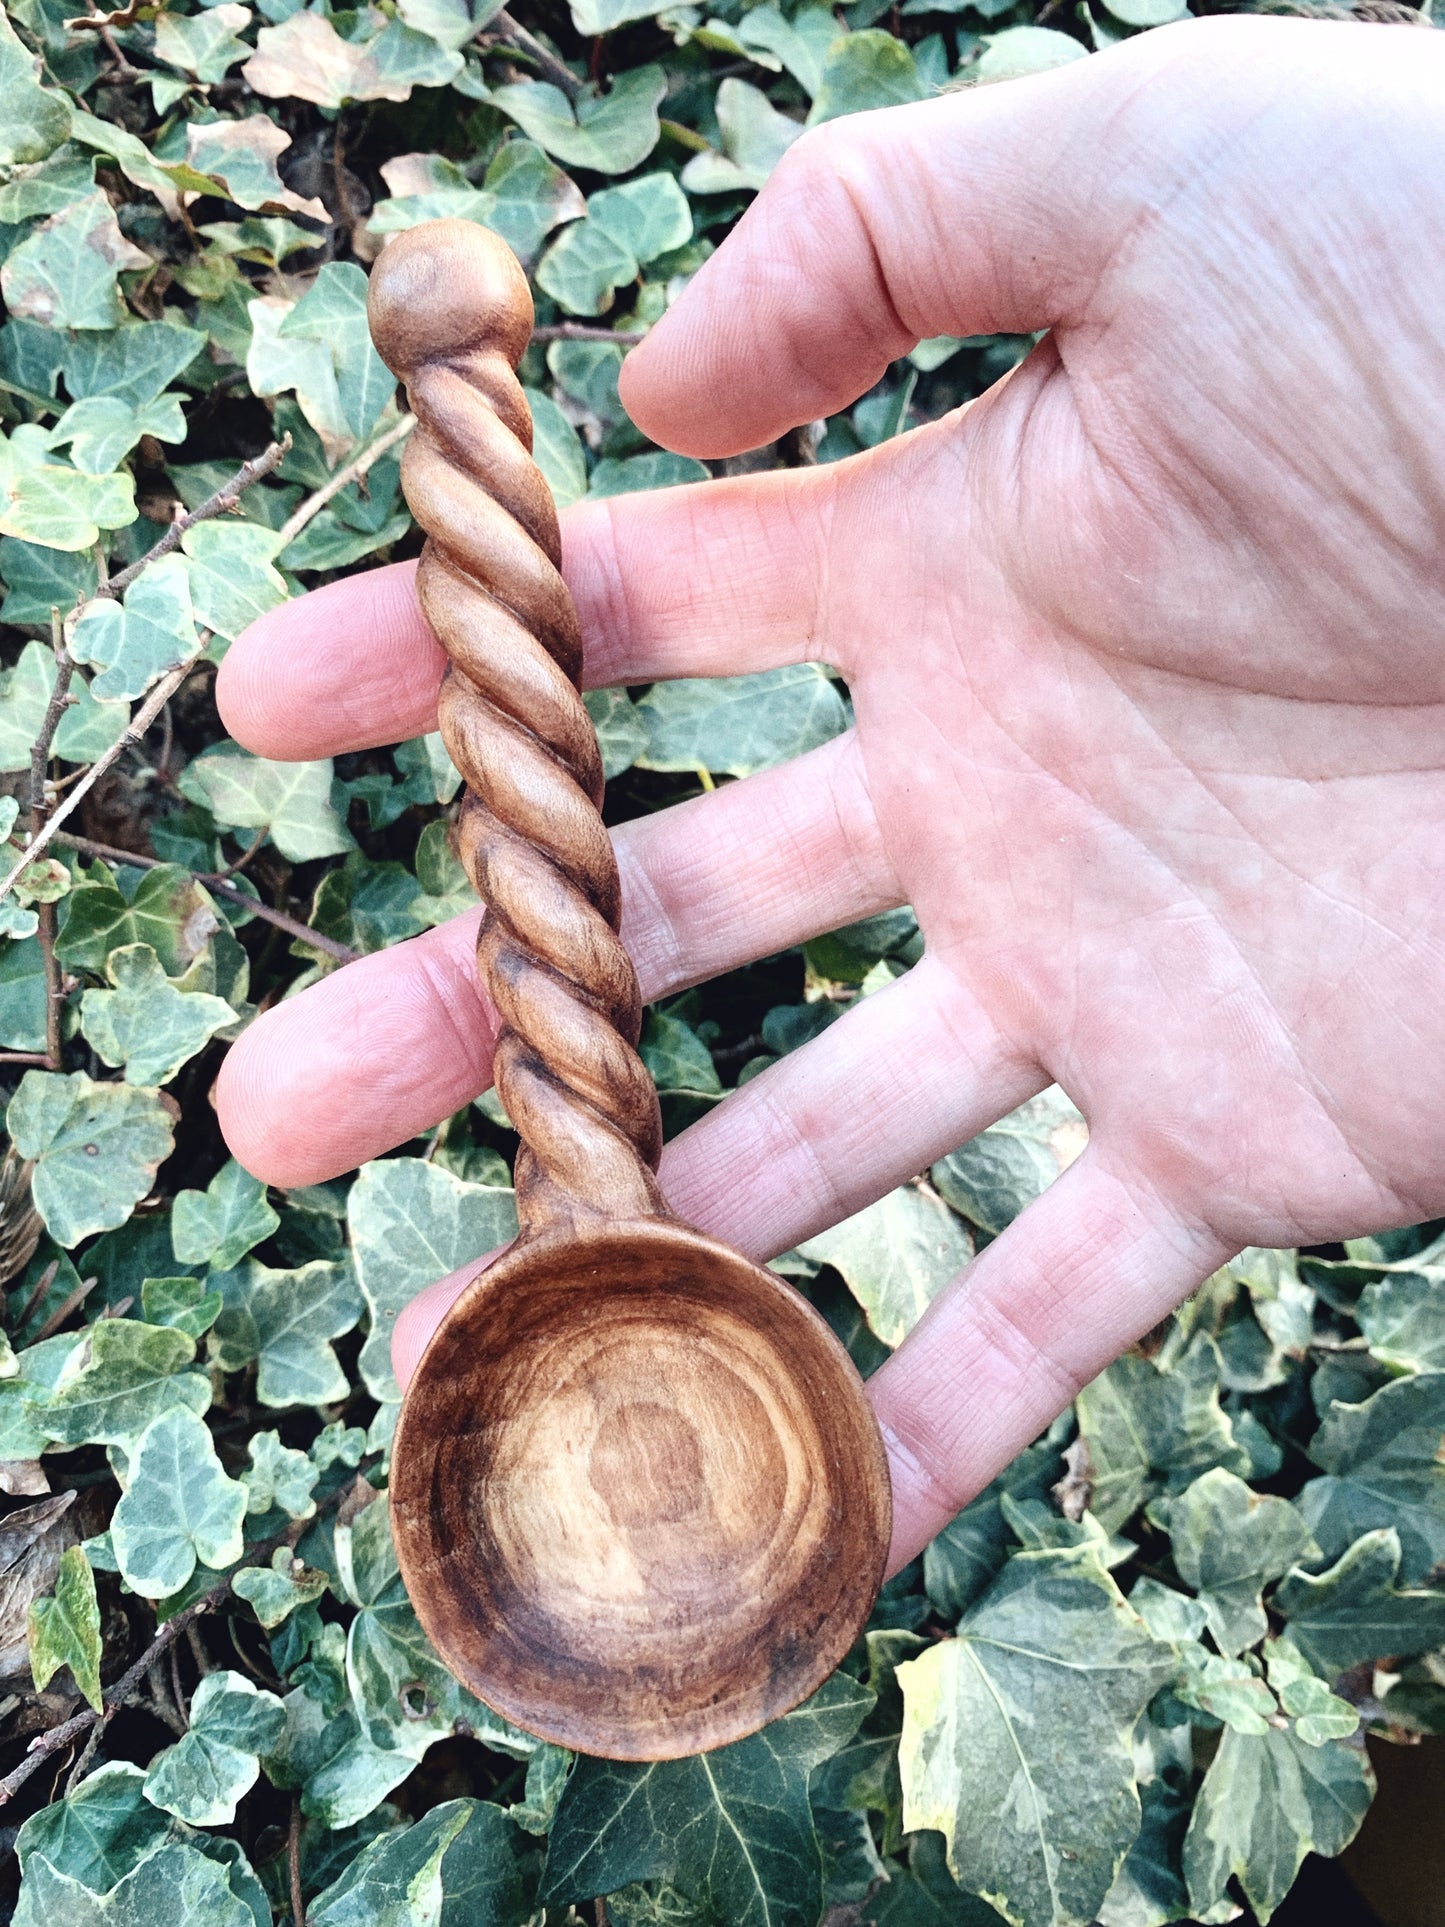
451 315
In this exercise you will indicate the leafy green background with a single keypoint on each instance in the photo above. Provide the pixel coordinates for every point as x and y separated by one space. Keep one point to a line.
1130 1682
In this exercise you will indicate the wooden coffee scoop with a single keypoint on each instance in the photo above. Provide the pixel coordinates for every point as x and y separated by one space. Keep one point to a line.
638 1494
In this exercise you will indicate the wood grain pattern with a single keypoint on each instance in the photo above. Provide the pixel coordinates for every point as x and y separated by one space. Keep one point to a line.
639 1496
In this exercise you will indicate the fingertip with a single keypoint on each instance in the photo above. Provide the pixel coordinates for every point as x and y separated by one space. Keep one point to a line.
416 1321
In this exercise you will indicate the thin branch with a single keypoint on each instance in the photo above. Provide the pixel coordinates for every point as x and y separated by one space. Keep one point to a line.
46 1278
140 722
24 1057
504 28
87 1754
126 1687
293 1862
343 478
235 869
579 331
62 1311
50 722
222 502
293 926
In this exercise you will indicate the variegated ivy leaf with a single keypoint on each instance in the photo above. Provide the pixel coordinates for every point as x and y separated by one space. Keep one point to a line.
219 1225
97 1148
205 1774
57 507
1229 1543
134 642
144 1023
279 1476
86 730
36 120
64 1629
464 1864
64 273
242 154
118 1378
232 577
291 800
179 1507
895 1257
274 1592
173 1883
1357 1610
1384 1462
285 1320
332 314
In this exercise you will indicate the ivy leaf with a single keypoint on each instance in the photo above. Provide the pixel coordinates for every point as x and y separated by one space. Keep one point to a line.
134 364
621 732
925 1894
279 1477
121 1377
1148 1429
1355 1611
461 1865
233 580
802 44
531 197
180 1507
863 71
134 643
219 1225
64 273
333 312
755 137
39 580
144 1023
204 1776
1228 1544
1229 1690
1403 1319
182 1302
1317 1713
203 44
895 1257
972 1548
412 1223
36 121
657 468
732 1829
367 905
65 1629
166 908
274 1592
285 1319
276 363
611 133
648 216
174 1883
242 155
1023 50
677 1057
1385 1466
96 1834
992 1177
97 1149
305 58
86 731
863 1773
1049 1669
1266 1802
734 725
290 800
56 507
584 267
103 429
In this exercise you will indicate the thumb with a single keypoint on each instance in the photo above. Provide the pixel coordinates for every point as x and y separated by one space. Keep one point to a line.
991 210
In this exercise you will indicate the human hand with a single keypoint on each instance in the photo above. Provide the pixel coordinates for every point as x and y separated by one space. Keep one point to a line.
1145 648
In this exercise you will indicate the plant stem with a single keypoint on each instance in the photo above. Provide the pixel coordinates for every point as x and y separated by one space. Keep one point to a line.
46 920
579 331
293 1862
354 469
503 27
343 953
222 502
36 1057
62 1311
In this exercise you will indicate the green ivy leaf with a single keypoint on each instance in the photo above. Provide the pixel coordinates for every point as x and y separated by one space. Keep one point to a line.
971 1549
290 800
461 1865
1356 1611
64 1629
864 71
1018 51
732 1829
584 267
39 580
145 1023
135 642
103 429
285 1320
332 312
1385 1466
1403 1318
992 1177
36 121
611 133
1149 1430
367 905
219 1225
232 578
166 908
97 1149
895 1257
1228 1544
203 1777
412 1223
64 273
1266 1802
203 44
274 1592
621 732
677 1057
735 725
133 364
802 44
117 1380
86 731
180 1507
56 507
96 1834
755 137
1050 1669
657 468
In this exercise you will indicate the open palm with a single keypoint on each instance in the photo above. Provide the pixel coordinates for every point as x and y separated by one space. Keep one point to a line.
1147 651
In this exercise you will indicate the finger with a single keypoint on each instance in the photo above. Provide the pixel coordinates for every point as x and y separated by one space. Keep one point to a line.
902 1079
989 210
1087 1269
417 1320
720 578
385 1048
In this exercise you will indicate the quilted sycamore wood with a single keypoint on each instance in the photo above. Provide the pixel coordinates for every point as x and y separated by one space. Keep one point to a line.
639 1497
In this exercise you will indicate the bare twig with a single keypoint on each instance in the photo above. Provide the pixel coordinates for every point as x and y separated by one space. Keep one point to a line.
504 28
222 502
37 1057
127 1686
353 471
87 1754
46 1278
235 869
62 1311
140 722
579 331
293 1862
46 919
293 926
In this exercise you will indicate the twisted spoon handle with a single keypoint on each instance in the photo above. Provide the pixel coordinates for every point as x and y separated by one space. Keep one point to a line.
451 315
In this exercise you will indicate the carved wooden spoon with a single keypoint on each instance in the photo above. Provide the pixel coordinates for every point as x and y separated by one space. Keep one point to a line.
639 1498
